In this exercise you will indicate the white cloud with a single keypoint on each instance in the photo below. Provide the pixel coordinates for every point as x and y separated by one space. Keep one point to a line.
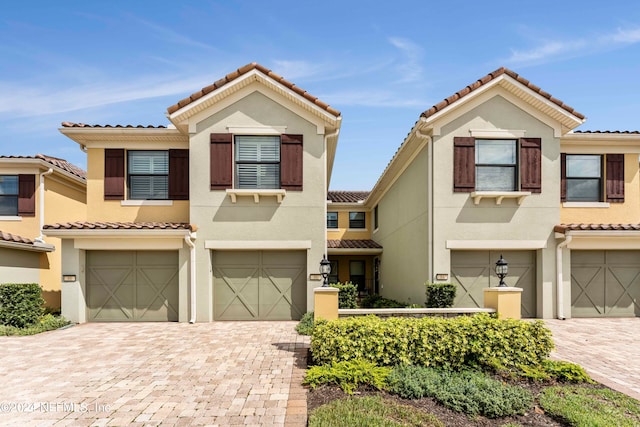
410 68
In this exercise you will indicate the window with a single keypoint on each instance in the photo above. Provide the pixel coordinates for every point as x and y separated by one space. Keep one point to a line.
375 218
583 178
8 195
257 162
496 162
333 276
356 220
357 274
332 219
148 175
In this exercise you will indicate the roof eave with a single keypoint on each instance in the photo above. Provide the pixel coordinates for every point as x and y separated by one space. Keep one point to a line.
354 251
44 165
114 233
31 247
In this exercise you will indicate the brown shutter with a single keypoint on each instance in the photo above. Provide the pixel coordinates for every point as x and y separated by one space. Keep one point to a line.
114 174
531 164
291 162
179 174
563 177
464 164
221 167
27 195
615 178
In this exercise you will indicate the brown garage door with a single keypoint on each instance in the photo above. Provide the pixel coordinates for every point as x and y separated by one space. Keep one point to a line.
473 271
259 285
605 283
132 286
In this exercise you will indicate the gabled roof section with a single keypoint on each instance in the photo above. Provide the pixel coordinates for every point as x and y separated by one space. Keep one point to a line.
60 164
347 196
520 87
243 76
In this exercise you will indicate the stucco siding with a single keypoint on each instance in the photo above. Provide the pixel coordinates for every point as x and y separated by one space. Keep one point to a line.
18 266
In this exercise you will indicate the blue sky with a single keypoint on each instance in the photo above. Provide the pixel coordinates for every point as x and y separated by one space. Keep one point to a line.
380 63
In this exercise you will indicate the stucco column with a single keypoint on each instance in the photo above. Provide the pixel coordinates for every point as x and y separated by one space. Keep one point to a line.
325 303
505 300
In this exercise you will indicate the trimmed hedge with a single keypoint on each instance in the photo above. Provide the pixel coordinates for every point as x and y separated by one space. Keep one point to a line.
378 301
440 295
20 304
479 341
347 295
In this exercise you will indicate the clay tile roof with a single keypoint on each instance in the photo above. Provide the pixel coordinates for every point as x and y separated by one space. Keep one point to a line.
353 244
563 228
621 132
486 79
120 226
8 237
241 71
84 125
347 196
54 161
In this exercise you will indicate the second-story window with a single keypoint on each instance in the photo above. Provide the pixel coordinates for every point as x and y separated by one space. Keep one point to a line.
356 220
257 162
8 195
148 175
584 178
496 162
332 219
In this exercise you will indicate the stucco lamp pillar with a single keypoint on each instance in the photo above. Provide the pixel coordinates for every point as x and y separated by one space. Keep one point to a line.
504 299
325 300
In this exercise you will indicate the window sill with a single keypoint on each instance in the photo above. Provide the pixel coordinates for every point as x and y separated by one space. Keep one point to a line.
10 218
357 229
585 205
146 203
256 194
499 196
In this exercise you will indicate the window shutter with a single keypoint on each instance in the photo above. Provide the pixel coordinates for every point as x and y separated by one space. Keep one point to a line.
179 174
563 177
291 162
464 166
531 164
615 178
221 172
27 195
113 174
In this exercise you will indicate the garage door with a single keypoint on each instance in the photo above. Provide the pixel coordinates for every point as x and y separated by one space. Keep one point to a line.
605 283
259 285
132 286
473 271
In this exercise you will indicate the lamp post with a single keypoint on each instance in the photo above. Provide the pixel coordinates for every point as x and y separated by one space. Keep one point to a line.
502 268
325 270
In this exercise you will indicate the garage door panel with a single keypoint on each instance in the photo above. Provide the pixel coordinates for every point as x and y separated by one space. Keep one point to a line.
236 291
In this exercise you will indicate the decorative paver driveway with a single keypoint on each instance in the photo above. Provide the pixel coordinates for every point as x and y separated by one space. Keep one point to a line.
126 374
608 349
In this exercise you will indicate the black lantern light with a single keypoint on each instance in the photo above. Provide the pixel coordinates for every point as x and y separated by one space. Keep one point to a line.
325 270
502 268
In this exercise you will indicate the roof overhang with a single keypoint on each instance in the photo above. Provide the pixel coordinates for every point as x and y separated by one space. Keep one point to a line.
43 166
600 143
623 237
31 247
111 233
354 251
104 137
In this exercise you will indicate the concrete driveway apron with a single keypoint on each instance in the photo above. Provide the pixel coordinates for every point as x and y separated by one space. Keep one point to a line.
128 374
608 348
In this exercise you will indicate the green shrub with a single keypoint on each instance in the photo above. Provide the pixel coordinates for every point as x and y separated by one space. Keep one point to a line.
20 304
348 375
440 295
566 371
454 343
377 301
305 326
48 322
470 392
347 295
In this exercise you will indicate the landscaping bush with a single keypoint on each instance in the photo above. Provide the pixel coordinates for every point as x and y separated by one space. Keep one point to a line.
348 375
472 393
377 301
549 369
20 304
48 322
347 295
305 326
440 295
454 343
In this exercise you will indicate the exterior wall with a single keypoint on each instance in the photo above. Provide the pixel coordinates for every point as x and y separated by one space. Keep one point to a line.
19 266
300 216
343 231
456 217
403 232
99 209
616 213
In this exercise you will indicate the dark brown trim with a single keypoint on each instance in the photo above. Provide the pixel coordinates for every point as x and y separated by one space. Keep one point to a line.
27 195
114 174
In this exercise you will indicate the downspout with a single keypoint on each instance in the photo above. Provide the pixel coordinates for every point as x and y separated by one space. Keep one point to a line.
560 283
428 140
40 238
326 186
189 238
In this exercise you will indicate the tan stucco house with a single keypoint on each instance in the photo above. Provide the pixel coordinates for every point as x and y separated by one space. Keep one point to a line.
35 190
218 216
